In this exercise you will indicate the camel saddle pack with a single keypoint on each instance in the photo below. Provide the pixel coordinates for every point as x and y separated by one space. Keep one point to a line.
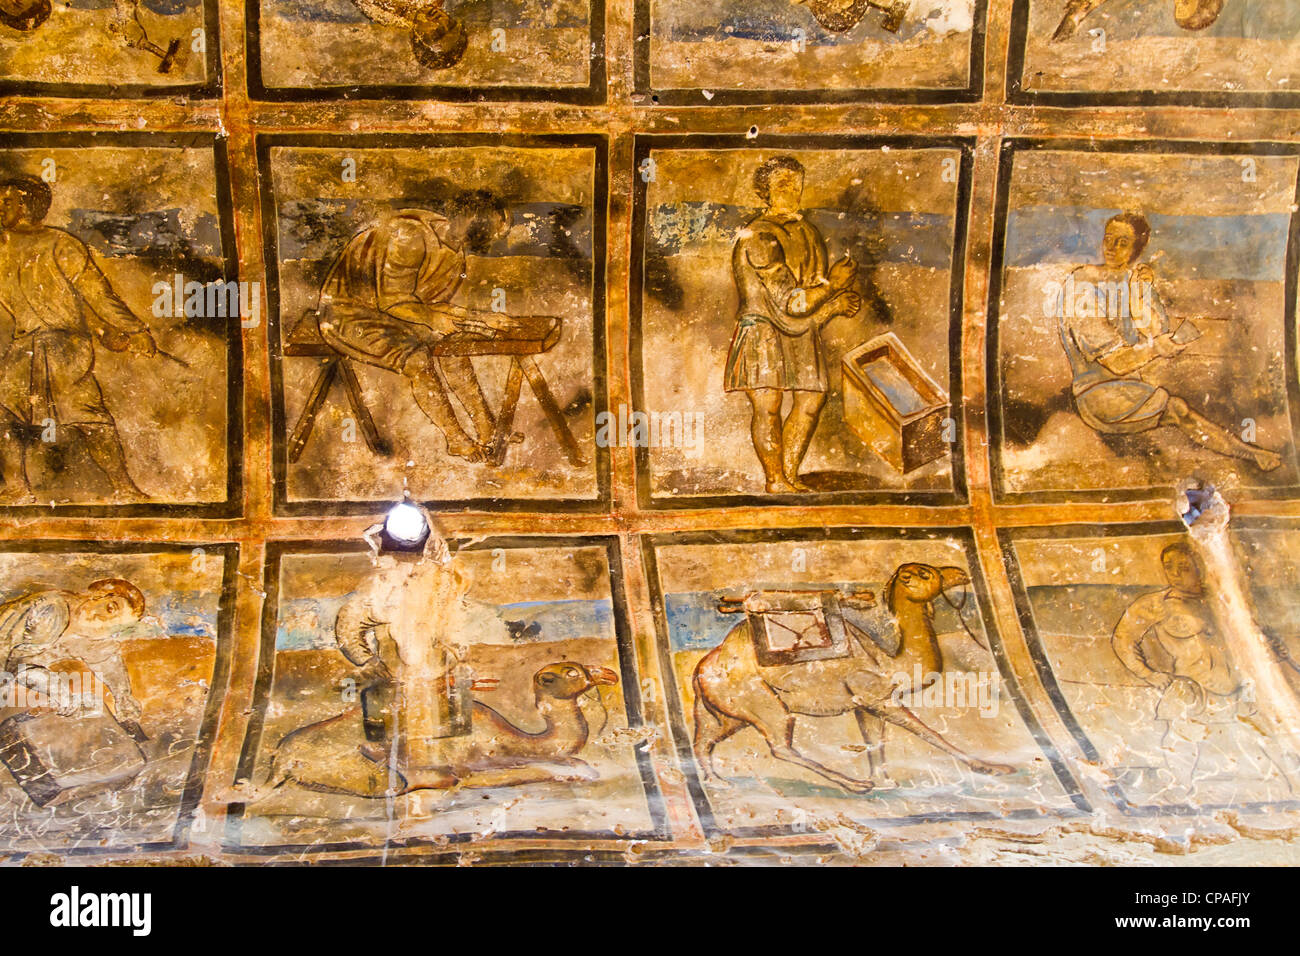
793 627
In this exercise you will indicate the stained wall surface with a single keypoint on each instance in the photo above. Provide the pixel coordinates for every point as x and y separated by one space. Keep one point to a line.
800 392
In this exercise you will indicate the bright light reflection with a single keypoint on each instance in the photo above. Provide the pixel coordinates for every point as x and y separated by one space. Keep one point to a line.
405 523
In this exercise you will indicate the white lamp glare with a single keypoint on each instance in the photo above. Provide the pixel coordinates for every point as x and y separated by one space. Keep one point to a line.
405 523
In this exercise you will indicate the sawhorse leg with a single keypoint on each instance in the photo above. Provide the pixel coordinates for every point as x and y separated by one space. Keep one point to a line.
319 392
537 383
359 409
525 367
506 417
307 420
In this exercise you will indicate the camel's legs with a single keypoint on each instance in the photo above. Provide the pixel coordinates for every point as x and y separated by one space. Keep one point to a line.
712 727
326 757
539 772
760 707
345 773
873 735
900 715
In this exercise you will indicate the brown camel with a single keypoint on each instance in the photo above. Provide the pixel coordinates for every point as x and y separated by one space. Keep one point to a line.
331 756
734 691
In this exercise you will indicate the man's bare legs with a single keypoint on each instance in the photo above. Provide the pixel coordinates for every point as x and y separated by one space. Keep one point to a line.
430 394
1204 432
458 370
797 433
765 430
105 450
781 445
1181 746
102 445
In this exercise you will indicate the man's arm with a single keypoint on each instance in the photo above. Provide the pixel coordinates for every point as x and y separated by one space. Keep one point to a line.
27 627
403 250
831 294
763 255
1132 627
355 633
31 623
1126 359
801 307
112 671
1152 319
1130 358
1111 352
441 267
429 302
77 264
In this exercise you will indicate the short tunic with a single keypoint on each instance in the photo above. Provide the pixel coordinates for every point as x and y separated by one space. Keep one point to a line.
770 260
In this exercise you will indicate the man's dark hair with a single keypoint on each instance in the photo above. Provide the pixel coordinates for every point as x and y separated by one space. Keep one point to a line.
484 210
1199 17
438 39
36 13
763 175
1178 547
1141 229
36 194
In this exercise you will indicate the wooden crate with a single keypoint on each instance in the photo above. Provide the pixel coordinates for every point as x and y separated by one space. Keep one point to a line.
892 405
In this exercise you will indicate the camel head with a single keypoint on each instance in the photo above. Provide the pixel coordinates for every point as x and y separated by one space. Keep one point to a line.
921 583
565 681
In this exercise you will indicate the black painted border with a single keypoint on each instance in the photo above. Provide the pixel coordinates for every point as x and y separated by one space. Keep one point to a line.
993 368
599 143
650 545
643 144
233 505
276 551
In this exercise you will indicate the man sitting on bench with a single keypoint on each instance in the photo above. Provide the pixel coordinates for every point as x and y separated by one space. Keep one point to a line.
387 302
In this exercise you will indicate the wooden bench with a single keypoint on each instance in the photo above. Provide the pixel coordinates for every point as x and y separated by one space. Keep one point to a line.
537 335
